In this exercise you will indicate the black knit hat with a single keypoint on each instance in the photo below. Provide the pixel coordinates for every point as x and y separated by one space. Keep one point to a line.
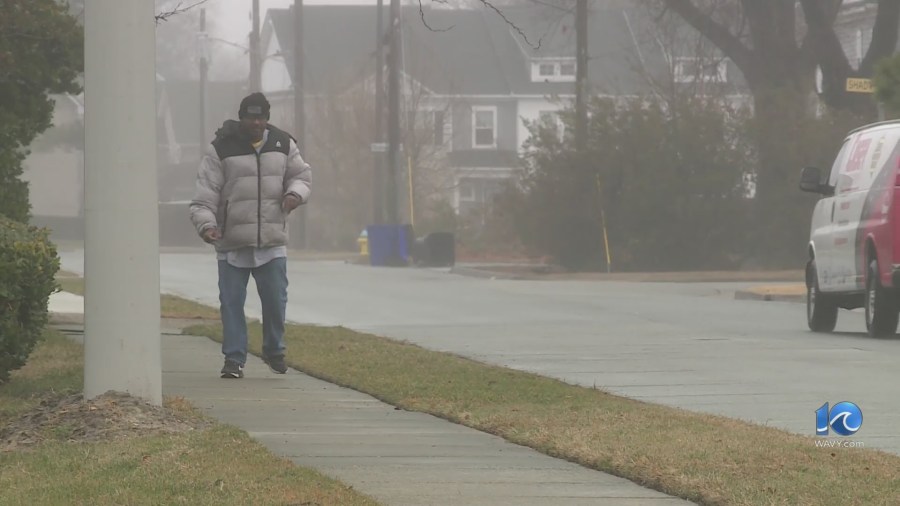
254 105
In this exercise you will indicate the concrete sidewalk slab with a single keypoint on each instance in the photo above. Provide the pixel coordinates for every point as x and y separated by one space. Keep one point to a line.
397 457
66 303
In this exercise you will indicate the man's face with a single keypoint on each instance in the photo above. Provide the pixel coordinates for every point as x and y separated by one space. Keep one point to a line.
253 126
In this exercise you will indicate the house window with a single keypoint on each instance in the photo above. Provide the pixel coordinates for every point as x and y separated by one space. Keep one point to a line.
484 127
559 70
690 69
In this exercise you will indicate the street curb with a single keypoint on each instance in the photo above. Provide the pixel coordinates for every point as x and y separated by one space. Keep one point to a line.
638 277
748 294
484 274
751 295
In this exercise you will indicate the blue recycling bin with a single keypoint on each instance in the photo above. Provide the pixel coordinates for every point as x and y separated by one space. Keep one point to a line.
390 245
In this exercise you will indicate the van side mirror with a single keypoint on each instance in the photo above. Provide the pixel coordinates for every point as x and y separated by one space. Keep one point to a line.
811 181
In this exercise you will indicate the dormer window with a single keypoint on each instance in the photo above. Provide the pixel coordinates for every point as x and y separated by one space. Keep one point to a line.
554 70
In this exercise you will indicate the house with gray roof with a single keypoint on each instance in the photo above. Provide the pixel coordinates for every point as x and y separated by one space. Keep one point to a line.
481 80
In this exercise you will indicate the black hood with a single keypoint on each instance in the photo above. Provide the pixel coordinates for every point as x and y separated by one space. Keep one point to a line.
230 128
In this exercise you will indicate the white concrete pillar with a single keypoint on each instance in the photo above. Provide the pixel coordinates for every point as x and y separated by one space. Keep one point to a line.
121 243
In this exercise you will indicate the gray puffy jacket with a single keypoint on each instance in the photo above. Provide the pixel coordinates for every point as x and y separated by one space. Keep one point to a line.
240 192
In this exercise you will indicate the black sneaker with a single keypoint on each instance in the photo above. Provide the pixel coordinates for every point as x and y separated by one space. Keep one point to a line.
232 370
276 364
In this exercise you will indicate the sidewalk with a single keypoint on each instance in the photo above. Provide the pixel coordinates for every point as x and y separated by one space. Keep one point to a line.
397 457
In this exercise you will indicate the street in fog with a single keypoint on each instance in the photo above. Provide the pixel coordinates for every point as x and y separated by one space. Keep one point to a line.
688 345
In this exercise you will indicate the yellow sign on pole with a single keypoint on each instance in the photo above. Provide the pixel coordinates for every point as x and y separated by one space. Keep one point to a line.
859 85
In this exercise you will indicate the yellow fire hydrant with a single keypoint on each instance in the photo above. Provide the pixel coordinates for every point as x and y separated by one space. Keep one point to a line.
363 242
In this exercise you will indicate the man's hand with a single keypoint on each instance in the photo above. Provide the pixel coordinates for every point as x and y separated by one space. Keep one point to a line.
211 235
290 202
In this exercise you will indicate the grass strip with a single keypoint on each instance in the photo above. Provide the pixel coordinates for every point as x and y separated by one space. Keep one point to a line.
217 465
170 306
704 458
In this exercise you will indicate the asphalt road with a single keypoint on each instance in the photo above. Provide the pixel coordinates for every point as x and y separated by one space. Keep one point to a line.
688 345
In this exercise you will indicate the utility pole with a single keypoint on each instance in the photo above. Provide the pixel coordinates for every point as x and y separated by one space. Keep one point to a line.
255 58
581 72
121 242
203 43
299 109
584 170
393 114
378 176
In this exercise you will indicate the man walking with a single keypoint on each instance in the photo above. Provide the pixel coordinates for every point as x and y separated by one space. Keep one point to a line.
250 178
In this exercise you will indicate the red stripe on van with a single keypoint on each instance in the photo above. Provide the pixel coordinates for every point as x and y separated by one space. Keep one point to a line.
895 226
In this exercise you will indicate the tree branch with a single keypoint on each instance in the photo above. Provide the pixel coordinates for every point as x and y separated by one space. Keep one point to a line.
719 35
512 25
884 35
164 16
808 46
489 5
824 41
425 22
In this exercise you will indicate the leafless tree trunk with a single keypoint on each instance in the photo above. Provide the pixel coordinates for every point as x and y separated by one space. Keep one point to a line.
764 40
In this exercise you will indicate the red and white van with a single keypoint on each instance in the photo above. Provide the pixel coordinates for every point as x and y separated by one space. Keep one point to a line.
854 246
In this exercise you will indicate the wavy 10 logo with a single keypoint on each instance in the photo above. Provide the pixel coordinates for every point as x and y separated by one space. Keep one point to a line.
844 418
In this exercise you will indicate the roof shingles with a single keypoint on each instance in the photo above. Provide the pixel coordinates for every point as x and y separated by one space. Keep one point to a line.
464 52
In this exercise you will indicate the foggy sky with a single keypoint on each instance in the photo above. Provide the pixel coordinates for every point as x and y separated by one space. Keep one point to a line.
233 16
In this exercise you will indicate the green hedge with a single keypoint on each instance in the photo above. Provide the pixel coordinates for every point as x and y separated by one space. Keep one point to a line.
28 266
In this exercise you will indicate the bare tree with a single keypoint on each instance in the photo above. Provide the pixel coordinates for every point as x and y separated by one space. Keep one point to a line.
692 66
340 148
177 44
778 46
497 8
175 8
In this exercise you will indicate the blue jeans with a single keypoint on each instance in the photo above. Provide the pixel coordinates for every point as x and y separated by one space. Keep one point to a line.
271 283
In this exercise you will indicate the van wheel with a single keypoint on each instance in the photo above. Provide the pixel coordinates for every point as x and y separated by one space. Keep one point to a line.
821 311
881 306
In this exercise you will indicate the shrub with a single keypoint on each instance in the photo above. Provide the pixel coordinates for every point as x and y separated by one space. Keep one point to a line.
665 177
28 266
887 84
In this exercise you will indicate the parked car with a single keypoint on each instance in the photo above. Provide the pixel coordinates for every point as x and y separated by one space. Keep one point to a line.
854 245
